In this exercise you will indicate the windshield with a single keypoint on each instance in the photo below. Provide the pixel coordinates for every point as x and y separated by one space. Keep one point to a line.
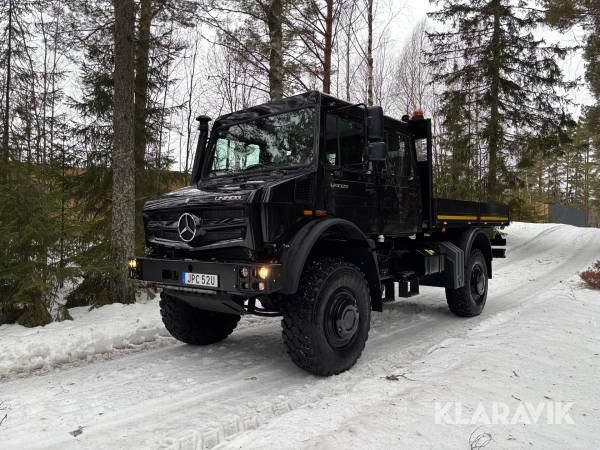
278 141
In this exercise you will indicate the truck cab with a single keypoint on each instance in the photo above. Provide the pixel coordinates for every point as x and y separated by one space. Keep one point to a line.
291 198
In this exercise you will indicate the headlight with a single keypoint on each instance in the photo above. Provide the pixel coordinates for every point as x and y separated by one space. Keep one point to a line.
263 273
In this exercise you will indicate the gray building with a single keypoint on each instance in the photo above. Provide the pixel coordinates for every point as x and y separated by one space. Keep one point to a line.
569 215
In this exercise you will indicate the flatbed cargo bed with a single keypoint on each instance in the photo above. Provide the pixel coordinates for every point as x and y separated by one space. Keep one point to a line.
454 213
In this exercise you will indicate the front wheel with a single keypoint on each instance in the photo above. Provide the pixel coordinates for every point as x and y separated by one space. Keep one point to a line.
195 326
469 300
326 323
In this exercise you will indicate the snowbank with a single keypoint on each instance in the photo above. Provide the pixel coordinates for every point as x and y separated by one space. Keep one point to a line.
100 331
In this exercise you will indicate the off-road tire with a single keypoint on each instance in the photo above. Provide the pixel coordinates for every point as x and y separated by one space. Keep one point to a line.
310 333
467 301
195 326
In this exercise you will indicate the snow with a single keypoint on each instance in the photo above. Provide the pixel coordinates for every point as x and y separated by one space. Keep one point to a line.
534 351
101 331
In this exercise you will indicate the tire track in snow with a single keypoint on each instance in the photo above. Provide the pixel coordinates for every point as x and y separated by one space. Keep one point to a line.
542 234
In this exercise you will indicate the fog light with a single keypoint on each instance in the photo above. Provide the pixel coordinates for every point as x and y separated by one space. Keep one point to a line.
244 272
132 263
263 273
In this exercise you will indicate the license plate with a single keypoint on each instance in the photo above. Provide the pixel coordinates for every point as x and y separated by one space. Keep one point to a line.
200 279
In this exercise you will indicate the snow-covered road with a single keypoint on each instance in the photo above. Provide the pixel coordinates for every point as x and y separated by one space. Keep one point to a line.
538 340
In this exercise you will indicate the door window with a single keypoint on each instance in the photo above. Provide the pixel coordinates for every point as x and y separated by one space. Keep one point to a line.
344 141
398 156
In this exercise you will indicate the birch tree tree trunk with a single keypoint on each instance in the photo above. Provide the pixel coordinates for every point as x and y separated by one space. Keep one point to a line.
328 47
123 160
275 25
370 53
347 56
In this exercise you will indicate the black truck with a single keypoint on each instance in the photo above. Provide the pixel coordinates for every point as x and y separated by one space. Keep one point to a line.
317 210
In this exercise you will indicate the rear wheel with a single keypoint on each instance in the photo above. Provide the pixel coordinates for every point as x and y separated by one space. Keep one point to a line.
326 323
195 326
469 300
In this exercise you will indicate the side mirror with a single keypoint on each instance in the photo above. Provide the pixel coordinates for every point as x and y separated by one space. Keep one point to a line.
375 123
377 148
377 151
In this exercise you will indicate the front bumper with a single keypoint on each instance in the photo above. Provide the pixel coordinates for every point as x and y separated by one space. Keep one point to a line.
167 273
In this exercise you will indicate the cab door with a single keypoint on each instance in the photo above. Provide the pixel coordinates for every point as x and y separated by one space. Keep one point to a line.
400 206
352 188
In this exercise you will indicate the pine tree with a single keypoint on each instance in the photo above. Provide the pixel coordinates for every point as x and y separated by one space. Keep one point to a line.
458 177
155 50
511 76
123 162
93 131
32 248
17 73
565 14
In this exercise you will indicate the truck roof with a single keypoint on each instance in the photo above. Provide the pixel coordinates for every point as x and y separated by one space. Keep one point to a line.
272 107
417 128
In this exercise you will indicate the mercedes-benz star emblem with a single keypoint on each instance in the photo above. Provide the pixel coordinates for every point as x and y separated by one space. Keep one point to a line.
187 227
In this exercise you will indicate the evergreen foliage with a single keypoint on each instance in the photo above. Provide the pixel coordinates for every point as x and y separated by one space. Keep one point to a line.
508 79
565 14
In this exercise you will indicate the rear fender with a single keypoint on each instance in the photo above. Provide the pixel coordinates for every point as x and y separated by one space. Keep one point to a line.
476 238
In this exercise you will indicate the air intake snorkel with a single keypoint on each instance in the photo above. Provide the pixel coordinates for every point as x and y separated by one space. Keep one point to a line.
200 147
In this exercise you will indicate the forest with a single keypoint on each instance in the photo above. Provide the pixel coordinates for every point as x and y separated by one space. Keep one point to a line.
99 100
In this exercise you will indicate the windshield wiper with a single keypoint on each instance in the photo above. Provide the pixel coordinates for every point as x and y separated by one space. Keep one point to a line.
263 166
218 172
242 175
270 167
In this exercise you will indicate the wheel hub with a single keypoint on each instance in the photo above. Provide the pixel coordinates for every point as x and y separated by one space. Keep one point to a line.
477 280
342 319
347 321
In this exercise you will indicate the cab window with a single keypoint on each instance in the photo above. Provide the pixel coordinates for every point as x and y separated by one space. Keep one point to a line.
398 155
344 141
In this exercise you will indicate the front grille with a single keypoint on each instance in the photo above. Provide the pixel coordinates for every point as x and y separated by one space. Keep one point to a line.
210 216
303 190
225 234
217 224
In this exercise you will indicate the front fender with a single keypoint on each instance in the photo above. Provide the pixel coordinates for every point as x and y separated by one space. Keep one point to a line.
357 248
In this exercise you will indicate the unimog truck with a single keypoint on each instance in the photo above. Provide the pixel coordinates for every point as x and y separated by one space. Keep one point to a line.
319 211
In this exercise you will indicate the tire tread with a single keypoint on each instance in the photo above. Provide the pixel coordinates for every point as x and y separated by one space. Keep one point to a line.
195 326
298 313
459 300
